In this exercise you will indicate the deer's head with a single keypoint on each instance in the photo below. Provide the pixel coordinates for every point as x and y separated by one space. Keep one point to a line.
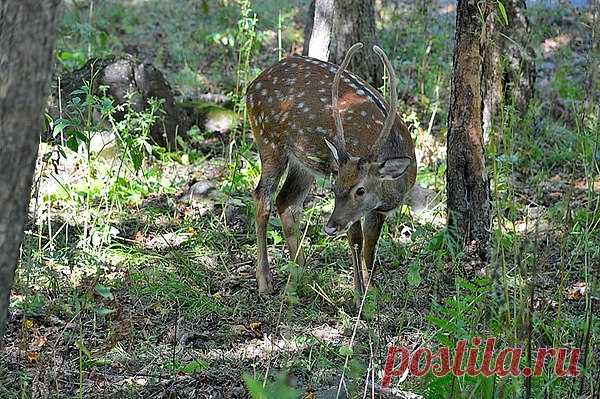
364 184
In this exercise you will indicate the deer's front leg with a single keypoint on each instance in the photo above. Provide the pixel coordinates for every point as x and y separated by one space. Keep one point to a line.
371 231
355 241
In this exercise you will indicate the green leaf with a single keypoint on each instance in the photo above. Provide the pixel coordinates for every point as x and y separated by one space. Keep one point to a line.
72 143
257 391
195 366
137 157
82 348
147 146
59 126
204 7
503 14
104 291
276 390
436 243
414 275
102 39
346 350
102 311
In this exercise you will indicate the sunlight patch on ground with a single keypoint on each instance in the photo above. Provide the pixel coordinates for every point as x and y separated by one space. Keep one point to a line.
268 346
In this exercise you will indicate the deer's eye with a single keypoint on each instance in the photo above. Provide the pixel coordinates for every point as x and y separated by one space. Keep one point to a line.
360 191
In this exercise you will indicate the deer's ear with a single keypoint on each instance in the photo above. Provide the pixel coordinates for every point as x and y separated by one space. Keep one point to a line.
393 168
333 150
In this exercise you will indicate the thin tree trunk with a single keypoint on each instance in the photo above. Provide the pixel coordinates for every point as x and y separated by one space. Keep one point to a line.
467 181
493 86
354 21
321 30
333 26
521 76
308 27
27 33
509 69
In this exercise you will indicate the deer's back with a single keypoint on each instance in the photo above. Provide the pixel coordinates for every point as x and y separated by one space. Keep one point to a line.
290 110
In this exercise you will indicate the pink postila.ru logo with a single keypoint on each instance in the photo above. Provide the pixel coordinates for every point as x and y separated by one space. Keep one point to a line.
421 361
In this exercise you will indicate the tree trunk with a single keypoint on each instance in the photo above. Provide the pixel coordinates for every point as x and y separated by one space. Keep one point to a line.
336 26
509 69
521 75
308 27
27 33
354 21
467 181
321 29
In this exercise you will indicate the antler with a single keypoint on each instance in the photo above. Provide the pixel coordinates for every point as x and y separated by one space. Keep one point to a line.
339 129
389 122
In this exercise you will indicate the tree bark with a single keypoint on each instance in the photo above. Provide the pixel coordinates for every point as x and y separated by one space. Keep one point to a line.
521 76
308 27
336 26
27 33
466 177
321 29
354 21
509 68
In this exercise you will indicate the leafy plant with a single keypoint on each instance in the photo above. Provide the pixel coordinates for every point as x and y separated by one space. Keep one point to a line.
278 389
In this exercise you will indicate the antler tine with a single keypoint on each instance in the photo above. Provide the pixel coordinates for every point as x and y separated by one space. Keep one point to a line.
389 122
339 129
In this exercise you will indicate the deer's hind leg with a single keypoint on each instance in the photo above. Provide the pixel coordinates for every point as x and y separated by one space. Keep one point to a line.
289 203
273 168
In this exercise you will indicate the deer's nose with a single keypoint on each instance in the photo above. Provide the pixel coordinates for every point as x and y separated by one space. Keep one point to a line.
330 230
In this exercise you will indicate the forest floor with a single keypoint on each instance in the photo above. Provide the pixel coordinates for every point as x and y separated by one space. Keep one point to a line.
141 284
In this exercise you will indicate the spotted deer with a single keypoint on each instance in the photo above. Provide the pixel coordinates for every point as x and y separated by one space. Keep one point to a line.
311 118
